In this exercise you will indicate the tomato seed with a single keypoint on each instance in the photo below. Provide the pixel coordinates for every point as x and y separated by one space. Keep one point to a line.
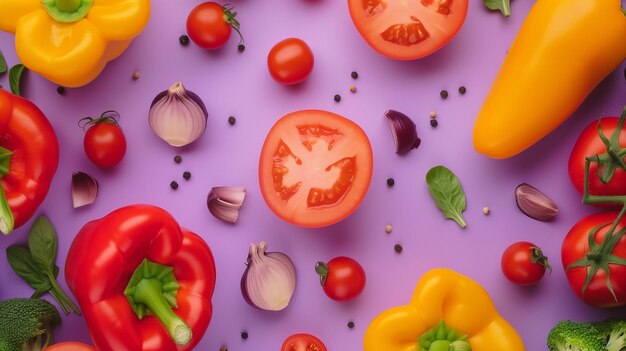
178 159
337 97
390 182
354 75
232 120
434 123
174 185
350 324
444 94
244 335
184 40
397 248
61 90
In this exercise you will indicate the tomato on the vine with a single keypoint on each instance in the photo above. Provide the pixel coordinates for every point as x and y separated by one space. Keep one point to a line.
210 24
104 141
587 268
590 144
523 263
303 342
342 278
290 61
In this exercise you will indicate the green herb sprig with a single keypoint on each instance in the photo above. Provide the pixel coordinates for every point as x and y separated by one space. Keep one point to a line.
445 188
503 5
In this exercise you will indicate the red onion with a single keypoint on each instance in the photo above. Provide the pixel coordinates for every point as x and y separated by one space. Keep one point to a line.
534 203
84 189
403 130
269 280
178 116
224 202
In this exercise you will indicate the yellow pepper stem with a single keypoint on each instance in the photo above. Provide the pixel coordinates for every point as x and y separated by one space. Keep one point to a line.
68 5
67 11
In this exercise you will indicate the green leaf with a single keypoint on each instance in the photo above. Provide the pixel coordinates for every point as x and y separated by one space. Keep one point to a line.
43 242
22 262
15 78
503 5
3 64
445 188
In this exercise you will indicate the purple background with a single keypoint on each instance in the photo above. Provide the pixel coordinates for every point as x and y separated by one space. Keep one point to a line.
238 84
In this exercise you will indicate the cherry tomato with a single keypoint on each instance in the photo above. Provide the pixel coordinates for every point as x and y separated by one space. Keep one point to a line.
588 145
342 278
209 25
303 342
315 168
290 61
523 263
104 141
407 30
70 346
576 248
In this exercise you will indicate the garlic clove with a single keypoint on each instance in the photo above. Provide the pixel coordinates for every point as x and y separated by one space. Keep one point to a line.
84 189
224 202
534 203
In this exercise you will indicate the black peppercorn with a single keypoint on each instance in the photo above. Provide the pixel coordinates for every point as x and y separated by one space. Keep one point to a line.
390 182
174 185
337 97
462 90
444 94
232 120
61 90
223 348
351 324
397 248
354 75
184 40
434 123
241 47
244 335
186 175
178 159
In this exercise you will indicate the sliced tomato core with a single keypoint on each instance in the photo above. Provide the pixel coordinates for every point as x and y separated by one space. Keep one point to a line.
329 196
406 34
445 7
374 7
281 157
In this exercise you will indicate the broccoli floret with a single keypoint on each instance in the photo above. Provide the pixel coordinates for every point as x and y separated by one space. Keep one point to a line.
613 332
570 336
26 324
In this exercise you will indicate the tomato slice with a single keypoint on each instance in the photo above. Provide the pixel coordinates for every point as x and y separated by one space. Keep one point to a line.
315 168
303 342
408 29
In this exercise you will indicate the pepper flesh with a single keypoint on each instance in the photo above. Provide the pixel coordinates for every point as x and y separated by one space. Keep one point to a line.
72 54
28 135
563 50
102 260
443 295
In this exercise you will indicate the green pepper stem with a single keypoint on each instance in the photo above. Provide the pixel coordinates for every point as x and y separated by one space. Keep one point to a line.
149 293
68 5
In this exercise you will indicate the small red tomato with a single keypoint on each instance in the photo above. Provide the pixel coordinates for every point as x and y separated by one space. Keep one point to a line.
342 278
70 346
303 342
104 141
209 25
523 263
290 61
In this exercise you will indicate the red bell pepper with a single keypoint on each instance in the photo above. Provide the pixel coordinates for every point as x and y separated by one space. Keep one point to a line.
142 282
29 155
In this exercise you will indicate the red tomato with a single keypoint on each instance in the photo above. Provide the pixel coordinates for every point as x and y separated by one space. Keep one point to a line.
290 61
209 25
104 142
407 30
576 247
590 144
70 346
315 168
303 342
523 263
343 278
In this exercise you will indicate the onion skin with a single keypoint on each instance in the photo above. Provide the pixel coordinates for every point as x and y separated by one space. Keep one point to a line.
178 116
534 203
403 130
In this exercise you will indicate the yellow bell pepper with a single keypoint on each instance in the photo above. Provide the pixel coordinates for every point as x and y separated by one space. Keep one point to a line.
70 41
563 50
442 295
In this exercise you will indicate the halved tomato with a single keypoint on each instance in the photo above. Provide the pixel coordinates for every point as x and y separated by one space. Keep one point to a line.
315 168
408 29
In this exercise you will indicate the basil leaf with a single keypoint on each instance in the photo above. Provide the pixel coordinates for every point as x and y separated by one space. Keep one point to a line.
503 5
445 188
15 78
43 242
3 64
22 262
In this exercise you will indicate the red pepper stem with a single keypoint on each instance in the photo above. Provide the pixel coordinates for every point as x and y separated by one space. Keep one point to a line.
7 222
149 293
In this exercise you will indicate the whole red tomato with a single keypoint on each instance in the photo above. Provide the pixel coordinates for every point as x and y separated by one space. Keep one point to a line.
342 278
104 141
589 144
576 252
70 346
303 342
523 263
209 25
290 61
